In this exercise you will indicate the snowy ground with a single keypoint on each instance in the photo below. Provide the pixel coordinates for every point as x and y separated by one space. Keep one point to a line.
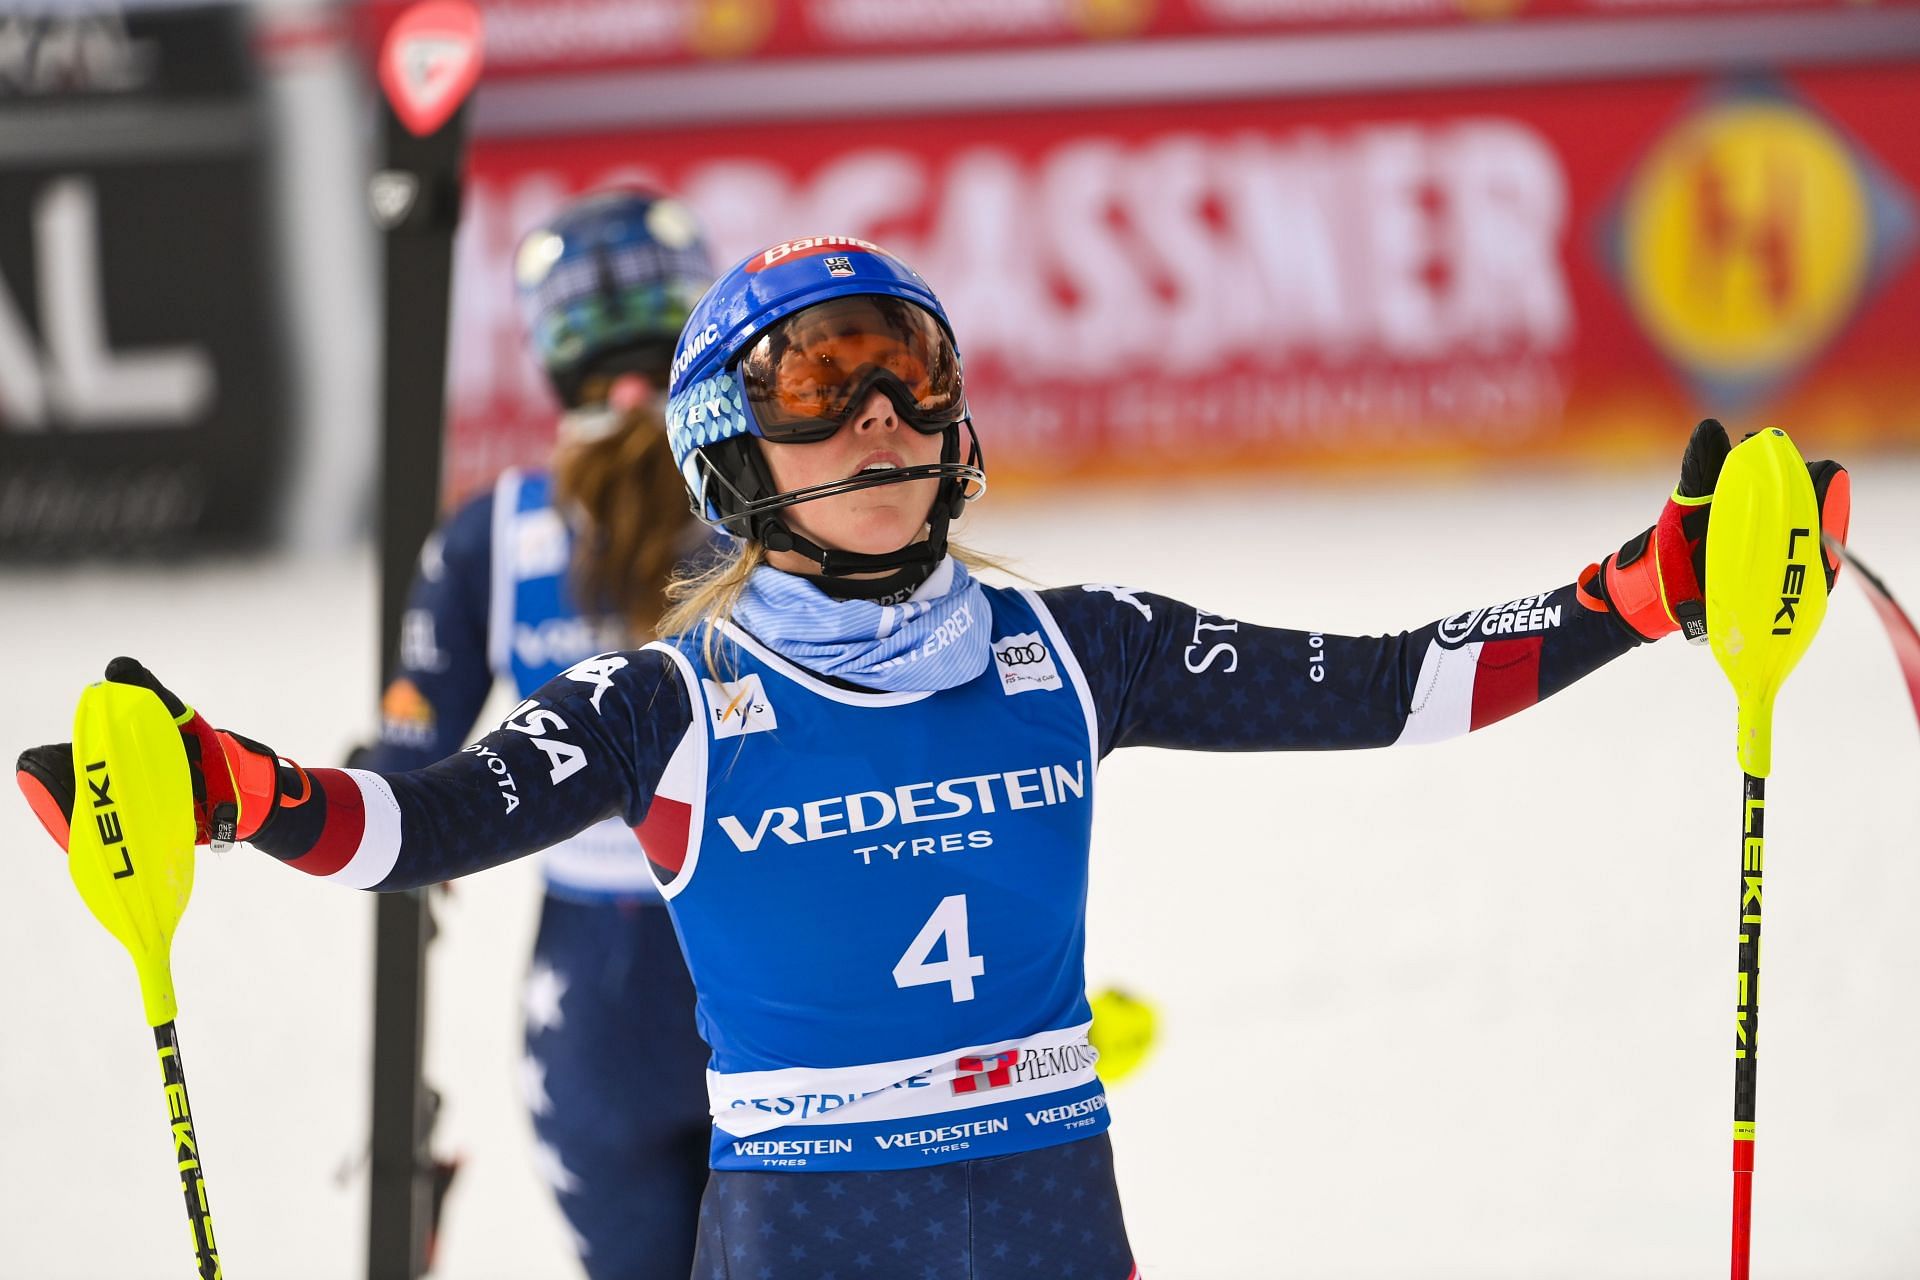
1454 1011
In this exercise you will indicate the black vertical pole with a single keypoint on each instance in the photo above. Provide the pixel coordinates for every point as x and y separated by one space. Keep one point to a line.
186 1151
415 199
1746 1025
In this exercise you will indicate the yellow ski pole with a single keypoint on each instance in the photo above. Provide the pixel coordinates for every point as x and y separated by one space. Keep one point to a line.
1766 593
130 853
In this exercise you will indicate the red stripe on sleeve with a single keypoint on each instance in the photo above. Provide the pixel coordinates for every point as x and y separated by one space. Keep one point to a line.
346 823
1506 680
664 834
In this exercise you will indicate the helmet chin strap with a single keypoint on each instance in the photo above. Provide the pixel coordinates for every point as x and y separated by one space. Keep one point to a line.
921 555
890 588
913 562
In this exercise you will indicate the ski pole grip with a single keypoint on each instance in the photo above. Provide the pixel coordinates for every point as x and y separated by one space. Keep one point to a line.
130 852
1766 587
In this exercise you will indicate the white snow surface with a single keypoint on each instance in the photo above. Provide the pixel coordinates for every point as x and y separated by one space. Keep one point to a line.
1452 1011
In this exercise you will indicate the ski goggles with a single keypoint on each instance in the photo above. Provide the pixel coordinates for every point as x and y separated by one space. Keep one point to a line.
810 371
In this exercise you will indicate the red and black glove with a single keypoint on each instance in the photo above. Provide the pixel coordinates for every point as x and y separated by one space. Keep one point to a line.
235 780
1655 584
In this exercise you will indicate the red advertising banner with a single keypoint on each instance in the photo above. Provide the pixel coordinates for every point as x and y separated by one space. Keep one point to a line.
1558 269
534 37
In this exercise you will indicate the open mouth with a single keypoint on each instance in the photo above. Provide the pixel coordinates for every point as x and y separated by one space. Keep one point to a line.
879 462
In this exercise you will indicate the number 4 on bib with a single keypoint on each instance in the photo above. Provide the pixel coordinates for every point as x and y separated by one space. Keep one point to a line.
959 969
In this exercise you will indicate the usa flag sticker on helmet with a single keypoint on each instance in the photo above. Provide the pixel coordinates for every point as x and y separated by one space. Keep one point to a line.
810 247
430 62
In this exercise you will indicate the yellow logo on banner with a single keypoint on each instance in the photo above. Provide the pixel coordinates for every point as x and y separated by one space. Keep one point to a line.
1109 19
729 28
1746 238
1490 10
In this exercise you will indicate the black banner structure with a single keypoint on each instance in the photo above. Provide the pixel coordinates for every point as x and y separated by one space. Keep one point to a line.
142 398
427 67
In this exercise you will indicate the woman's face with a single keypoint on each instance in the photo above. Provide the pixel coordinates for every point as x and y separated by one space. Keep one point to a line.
868 521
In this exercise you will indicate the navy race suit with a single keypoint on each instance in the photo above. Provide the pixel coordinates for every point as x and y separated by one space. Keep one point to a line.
876 1015
881 895
614 1067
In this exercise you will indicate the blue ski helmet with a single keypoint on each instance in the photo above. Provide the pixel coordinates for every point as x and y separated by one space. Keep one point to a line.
720 397
606 284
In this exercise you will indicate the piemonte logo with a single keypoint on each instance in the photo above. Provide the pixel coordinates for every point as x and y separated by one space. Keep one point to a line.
1748 237
990 1071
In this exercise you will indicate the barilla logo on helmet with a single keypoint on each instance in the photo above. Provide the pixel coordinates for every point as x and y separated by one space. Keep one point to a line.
785 277
809 247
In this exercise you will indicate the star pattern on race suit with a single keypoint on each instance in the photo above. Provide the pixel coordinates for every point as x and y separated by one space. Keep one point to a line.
1145 691
433 558
533 1085
1051 1213
546 988
552 1170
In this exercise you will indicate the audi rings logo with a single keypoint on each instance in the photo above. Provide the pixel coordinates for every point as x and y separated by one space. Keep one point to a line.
1025 664
1022 655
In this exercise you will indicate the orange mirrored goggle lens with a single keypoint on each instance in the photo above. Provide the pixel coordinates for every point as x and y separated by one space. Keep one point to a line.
807 373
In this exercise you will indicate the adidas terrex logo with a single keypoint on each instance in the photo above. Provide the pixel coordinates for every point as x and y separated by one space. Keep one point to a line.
836 816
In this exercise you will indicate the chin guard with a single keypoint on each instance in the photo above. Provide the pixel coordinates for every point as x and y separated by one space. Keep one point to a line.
735 483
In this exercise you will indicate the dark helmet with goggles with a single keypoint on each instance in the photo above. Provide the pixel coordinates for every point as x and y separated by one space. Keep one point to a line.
606 284
786 346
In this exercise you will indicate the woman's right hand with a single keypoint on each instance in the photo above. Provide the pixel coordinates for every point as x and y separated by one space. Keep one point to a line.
235 785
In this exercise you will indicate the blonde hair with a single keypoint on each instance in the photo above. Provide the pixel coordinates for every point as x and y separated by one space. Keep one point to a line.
707 598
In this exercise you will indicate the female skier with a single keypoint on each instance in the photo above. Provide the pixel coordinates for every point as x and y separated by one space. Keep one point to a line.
615 1071
864 780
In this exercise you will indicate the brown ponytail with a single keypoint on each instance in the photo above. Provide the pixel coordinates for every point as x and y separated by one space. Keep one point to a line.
636 522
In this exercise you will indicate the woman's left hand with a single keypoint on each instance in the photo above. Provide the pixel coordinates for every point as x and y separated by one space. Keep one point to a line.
1654 583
